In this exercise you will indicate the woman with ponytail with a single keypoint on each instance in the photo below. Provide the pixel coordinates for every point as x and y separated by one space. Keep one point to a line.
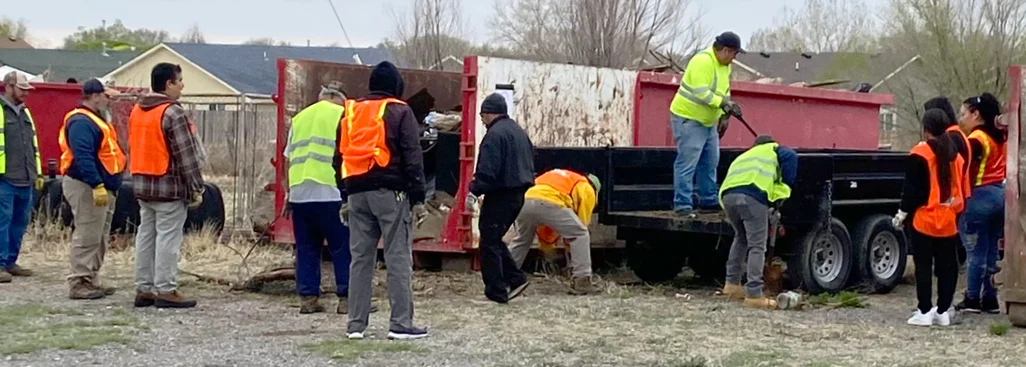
982 225
933 193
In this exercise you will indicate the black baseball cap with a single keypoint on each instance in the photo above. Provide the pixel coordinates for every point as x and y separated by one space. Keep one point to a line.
730 40
95 86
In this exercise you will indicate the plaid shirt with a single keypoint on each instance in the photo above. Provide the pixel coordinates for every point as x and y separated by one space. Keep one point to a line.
184 178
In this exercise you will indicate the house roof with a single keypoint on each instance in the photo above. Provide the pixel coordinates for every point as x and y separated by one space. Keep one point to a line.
810 67
13 43
64 64
253 68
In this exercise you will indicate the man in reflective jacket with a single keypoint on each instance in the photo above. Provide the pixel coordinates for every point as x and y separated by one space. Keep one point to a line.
702 99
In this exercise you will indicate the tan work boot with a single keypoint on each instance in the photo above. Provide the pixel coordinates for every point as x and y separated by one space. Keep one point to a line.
309 304
173 299
144 299
761 303
19 271
107 291
582 286
733 291
83 290
5 277
343 306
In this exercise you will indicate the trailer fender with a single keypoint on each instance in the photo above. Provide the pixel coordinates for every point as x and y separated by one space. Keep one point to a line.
880 253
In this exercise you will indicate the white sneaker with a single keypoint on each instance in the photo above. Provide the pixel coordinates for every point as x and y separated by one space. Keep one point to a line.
355 336
945 318
921 319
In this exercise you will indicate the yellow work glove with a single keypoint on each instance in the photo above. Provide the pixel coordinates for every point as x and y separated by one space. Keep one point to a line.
39 183
100 195
197 200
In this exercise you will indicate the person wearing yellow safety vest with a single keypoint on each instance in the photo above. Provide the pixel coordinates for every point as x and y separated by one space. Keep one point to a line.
92 162
702 100
559 205
20 169
757 180
314 191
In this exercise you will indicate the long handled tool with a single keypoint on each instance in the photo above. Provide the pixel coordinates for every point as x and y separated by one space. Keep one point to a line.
749 127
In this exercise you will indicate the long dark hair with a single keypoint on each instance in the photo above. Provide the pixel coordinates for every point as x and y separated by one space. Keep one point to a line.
989 108
942 103
935 122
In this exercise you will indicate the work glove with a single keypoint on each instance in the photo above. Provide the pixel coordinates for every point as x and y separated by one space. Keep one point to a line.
343 214
721 127
39 183
286 209
100 195
731 108
196 201
471 203
420 214
899 220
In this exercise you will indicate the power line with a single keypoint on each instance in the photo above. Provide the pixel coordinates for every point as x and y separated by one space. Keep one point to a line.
340 23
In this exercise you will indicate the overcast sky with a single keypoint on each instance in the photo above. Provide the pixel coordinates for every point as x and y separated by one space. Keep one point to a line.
297 21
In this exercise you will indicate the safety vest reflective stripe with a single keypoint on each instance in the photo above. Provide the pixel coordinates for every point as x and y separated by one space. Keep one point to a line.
35 143
758 166
938 218
693 93
312 149
109 153
992 162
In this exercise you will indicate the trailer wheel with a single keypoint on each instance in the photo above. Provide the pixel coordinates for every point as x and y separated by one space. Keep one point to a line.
823 259
880 254
654 262
210 213
50 205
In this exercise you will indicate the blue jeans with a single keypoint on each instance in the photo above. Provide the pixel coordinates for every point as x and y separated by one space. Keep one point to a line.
15 211
313 223
698 154
982 226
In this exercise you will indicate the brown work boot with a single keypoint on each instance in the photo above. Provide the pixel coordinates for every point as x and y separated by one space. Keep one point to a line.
761 303
582 286
107 291
144 299
5 277
309 304
173 299
81 289
733 292
343 306
19 271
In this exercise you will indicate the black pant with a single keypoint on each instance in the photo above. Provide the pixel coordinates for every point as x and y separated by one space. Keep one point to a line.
498 269
939 254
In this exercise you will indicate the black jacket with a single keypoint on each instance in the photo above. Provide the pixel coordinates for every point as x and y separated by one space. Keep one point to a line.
405 169
505 160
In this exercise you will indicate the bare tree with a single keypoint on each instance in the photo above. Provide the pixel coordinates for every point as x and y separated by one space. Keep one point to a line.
428 33
607 33
819 26
13 28
193 35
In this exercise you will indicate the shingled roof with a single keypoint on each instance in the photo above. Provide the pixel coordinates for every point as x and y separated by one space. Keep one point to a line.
64 64
806 67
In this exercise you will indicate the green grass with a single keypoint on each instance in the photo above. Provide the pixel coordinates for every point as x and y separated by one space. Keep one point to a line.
999 328
350 350
28 328
754 358
844 299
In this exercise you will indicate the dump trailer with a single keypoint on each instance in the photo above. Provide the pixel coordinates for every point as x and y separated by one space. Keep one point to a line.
1013 267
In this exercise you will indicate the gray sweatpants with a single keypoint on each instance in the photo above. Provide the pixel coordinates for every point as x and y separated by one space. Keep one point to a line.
750 219
157 244
373 215
92 229
562 220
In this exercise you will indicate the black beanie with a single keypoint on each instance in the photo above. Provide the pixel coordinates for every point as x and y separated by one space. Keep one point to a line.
495 103
763 139
385 79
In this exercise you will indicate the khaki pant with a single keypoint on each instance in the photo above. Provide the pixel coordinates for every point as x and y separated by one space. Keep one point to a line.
562 220
157 244
91 230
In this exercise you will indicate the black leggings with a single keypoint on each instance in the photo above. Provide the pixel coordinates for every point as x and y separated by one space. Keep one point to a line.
940 255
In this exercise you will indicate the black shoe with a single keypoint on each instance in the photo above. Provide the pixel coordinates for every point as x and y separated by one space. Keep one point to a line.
969 305
407 334
709 209
990 305
685 213
517 290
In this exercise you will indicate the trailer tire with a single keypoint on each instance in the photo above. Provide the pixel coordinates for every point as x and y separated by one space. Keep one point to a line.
880 253
210 213
654 262
822 262
50 205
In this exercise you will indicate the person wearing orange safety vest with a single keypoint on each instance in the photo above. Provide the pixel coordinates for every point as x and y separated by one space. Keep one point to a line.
933 193
982 225
20 170
559 205
166 179
383 171
92 162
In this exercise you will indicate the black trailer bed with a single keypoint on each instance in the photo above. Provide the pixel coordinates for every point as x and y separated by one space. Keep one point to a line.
667 220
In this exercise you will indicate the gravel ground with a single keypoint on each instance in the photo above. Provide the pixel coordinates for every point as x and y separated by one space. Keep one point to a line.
624 326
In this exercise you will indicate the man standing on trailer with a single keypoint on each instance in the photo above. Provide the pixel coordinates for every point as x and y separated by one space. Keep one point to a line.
505 170
560 205
757 180
314 181
166 179
20 168
383 169
92 162
703 97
